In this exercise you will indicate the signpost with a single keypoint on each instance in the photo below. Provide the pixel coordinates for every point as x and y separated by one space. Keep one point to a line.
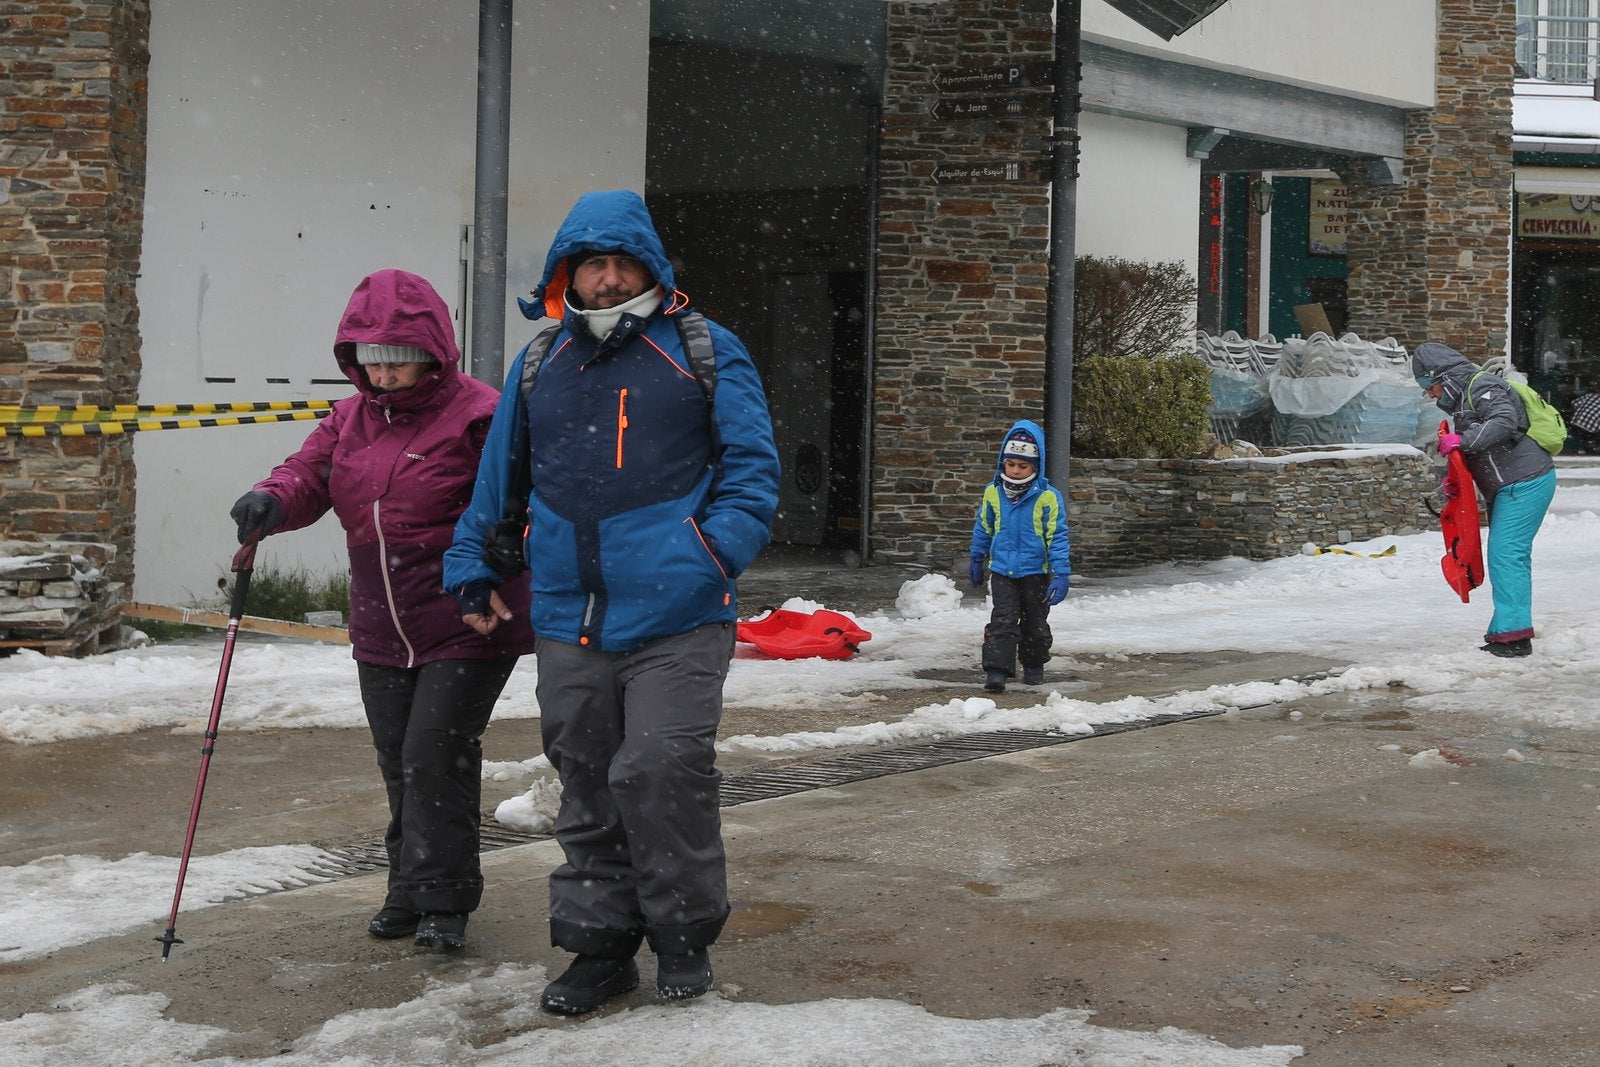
979 79
1008 106
1009 170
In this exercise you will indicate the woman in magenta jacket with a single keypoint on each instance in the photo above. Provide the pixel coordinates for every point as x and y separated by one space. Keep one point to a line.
396 462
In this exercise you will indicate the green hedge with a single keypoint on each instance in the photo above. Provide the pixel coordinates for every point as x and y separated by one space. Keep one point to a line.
1130 407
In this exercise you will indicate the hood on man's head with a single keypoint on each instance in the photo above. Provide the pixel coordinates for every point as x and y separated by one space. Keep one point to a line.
614 220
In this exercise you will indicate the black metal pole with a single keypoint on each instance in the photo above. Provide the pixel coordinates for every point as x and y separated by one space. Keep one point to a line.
487 346
1063 242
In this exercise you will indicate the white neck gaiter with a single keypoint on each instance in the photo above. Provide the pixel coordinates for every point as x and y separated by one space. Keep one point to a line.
601 322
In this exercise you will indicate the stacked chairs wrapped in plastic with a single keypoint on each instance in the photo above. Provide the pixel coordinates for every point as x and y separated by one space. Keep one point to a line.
1315 390
1345 391
1238 382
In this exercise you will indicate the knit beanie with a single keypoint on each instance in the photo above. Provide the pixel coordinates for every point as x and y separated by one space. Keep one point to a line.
366 354
1021 446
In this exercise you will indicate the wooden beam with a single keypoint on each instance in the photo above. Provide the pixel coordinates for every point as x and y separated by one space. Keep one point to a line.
336 635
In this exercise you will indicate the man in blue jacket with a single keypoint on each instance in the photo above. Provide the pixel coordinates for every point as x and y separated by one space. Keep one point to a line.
648 498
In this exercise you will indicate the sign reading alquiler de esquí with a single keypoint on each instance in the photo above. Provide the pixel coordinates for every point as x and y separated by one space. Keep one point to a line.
1558 217
1011 170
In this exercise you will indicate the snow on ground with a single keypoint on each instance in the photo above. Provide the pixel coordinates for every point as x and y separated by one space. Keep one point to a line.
1391 618
438 1027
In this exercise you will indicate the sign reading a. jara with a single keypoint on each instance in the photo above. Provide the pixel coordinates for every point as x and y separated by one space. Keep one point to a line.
979 79
1010 170
998 106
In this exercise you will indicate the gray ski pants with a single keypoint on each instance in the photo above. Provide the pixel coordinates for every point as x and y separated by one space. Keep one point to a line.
632 735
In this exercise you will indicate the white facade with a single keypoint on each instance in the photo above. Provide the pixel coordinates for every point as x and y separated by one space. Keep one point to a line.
1378 50
297 145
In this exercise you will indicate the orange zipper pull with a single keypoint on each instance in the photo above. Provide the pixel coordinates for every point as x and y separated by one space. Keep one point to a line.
622 422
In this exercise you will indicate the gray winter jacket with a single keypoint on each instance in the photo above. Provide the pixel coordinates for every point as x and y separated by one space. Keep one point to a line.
1492 421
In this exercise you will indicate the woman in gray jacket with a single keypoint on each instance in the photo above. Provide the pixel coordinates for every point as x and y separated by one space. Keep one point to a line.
1514 473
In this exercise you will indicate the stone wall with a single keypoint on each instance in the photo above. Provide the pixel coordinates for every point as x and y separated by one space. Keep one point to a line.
1128 512
962 270
72 150
1430 259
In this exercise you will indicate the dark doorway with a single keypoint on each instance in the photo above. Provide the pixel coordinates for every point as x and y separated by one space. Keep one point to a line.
759 170
1555 319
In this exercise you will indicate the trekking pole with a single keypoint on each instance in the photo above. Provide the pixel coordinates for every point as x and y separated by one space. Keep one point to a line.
243 561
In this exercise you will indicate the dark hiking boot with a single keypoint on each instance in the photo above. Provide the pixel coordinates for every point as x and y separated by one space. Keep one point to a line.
588 983
682 975
443 930
1033 676
391 923
1509 649
995 682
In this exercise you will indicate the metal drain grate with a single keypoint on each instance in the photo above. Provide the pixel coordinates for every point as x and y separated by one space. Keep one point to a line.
765 783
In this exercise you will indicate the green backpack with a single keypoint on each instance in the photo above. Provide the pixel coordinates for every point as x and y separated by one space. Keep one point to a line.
1545 424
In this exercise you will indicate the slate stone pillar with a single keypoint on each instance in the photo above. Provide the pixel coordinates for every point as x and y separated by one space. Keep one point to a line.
1430 260
73 85
962 272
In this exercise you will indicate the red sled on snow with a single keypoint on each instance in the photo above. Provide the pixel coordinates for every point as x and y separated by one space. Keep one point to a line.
1462 562
785 634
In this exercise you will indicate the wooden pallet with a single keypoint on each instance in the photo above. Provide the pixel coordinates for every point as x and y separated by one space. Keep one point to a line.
336 635
102 635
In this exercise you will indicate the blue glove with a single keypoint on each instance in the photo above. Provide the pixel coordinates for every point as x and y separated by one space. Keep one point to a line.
975 571
1057 592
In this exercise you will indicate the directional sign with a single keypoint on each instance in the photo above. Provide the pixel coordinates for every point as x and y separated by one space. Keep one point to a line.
1011 170
980 79
997 106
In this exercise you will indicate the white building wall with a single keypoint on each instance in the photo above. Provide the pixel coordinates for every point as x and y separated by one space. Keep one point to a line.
1379 50
297 145
1138 192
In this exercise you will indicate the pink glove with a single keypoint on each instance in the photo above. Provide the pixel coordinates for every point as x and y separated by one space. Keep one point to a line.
1448 443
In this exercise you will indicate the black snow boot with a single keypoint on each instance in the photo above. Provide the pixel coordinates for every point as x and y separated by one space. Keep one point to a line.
995 681
392 922
588 983
1509 649
682 975
443 930
1033 676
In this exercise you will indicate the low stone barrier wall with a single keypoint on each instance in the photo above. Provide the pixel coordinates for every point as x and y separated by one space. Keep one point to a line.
1130 512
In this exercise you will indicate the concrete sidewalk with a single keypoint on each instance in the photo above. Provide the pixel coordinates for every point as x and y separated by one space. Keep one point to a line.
1282 875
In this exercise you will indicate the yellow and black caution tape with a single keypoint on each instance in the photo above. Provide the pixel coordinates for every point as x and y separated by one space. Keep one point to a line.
1335 550
14 414
105 427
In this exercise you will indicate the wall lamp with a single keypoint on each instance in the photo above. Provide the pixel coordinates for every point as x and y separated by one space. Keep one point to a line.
1261 193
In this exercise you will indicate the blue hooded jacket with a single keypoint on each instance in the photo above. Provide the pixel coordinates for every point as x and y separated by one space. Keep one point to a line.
647 500
1027 535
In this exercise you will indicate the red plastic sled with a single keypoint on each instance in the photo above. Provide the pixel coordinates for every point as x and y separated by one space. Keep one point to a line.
785 634
1462 562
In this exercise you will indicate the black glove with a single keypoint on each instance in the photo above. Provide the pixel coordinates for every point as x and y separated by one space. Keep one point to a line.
257 514
474 599
503 549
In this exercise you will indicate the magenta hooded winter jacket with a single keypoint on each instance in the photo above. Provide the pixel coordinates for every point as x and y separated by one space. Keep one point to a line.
398 469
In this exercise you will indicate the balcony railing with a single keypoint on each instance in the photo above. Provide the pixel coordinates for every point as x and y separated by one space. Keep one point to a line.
1557 48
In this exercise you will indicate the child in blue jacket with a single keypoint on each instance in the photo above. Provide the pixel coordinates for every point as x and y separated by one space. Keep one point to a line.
1021 531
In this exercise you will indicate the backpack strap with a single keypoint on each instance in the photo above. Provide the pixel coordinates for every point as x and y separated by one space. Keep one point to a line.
696 338
533 355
